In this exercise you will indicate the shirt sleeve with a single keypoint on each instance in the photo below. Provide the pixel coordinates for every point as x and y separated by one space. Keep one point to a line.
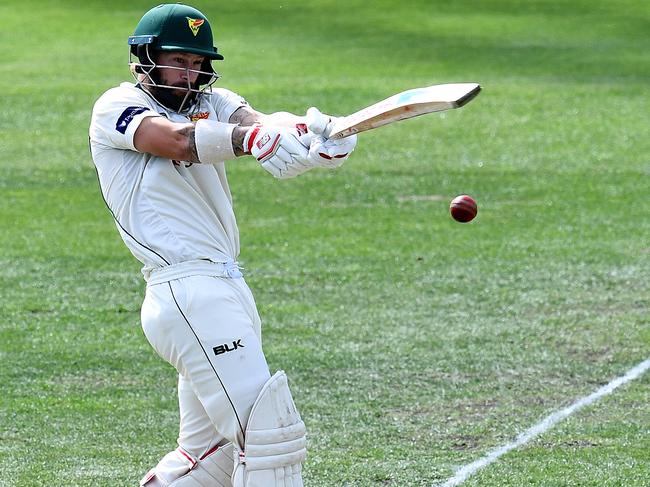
116 116
226 102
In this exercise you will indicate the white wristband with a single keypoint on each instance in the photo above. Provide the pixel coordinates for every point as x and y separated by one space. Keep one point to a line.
214 141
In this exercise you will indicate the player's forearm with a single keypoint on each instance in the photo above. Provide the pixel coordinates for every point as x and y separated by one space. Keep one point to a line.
160 137
238 140
206 141
181 145
189 150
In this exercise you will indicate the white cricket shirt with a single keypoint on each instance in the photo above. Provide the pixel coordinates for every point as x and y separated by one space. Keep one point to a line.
166 211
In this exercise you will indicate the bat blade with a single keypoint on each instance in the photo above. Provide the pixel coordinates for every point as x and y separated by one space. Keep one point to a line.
404 105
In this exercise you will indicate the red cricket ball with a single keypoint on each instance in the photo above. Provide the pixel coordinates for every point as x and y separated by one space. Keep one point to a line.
463 208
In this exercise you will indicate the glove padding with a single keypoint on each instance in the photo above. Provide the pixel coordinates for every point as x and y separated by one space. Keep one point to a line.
323 151
278 150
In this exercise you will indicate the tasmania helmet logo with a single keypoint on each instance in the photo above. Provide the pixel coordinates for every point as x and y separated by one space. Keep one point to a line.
195 24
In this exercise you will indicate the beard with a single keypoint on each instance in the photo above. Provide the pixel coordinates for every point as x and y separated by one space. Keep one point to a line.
178 99
175 99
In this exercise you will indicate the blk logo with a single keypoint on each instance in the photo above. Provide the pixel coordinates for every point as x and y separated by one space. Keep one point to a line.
225 348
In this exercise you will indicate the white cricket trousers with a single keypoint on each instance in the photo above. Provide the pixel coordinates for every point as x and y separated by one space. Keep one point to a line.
202 319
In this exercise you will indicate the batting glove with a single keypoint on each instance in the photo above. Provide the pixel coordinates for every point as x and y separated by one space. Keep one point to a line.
278 150
323 151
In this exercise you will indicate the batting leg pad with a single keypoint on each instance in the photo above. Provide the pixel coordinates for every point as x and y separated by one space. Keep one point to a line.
179 469
275 445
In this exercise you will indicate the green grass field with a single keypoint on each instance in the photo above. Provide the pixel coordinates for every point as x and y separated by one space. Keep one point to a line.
414 344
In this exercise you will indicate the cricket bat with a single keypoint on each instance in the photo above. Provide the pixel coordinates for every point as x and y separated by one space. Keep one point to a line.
407 104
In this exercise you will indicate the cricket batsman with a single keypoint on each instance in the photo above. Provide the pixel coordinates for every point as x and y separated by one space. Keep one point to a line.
159 147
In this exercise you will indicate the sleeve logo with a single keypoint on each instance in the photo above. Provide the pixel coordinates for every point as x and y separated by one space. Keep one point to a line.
127 117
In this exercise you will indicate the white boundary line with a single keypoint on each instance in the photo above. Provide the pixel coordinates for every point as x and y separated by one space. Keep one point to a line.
463 473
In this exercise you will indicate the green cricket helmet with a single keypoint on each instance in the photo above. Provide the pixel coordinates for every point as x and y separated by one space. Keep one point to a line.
175 27
172 27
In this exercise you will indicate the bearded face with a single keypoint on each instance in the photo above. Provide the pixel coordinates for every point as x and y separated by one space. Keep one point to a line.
174 79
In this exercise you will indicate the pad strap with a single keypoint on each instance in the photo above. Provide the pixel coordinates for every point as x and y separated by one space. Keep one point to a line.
279 447
180 469
276 444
